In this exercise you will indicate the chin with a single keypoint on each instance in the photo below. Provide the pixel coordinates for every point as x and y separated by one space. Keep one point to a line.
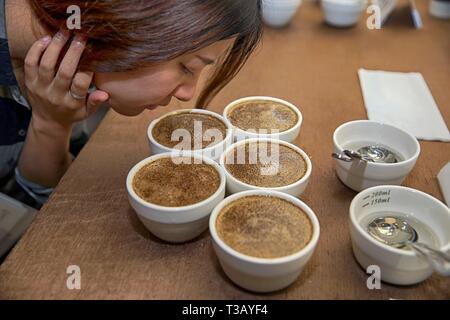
129 112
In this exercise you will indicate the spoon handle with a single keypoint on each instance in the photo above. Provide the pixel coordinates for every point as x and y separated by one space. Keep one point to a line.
350 155
341 157
439 260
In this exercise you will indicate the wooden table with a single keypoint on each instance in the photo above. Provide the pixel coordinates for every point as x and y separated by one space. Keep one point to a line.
88 221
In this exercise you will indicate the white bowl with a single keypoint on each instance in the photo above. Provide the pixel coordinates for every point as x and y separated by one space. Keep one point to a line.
397 266
440 9
238 134
214 152
342 13
175 224
282 2
262 274
279 14
359 175
295 189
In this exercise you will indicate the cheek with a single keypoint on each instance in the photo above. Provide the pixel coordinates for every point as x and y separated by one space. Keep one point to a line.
164 83
139 91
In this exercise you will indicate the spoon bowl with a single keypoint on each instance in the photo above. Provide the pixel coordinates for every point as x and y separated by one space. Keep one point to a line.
398 233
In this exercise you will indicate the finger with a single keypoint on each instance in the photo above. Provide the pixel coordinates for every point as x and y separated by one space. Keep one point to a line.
33 57
69 64
95 99
80 84
51 55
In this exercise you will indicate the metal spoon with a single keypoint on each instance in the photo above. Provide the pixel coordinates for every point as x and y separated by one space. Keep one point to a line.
398 233
369 154
350 155
378 154
341 157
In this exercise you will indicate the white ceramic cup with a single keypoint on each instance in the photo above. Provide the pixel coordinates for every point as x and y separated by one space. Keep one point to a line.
175 224
295 189
214 152
261 274
342 13
440 9
397 266
288 135
359 175
278 14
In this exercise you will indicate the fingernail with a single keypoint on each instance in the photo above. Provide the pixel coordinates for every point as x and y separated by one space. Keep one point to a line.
46 39
79 39
62 34
102 99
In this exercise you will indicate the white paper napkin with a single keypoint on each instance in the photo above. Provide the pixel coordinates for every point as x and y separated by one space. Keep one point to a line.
444 182
403 100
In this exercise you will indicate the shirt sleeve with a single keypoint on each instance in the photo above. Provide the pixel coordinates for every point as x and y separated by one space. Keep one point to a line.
37 192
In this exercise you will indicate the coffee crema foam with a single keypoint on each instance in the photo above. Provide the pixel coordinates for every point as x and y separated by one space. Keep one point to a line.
265 115
162 131
264 226
165 183
290 166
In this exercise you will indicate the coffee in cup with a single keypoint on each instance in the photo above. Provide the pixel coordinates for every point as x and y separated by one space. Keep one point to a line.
263 115
176 181
265 164
264 226
194 124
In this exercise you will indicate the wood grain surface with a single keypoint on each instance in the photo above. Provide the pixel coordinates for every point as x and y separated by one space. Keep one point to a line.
88 221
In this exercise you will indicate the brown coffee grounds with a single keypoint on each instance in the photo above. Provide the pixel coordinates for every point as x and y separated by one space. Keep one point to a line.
290 167
263 115
264 227
165 183
162 131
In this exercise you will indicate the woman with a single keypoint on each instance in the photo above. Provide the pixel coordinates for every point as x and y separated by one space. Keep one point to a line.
133 54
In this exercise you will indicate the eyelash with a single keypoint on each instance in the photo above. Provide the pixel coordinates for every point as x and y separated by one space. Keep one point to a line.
186 70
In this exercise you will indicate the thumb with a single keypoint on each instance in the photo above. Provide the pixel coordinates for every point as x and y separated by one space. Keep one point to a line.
95 99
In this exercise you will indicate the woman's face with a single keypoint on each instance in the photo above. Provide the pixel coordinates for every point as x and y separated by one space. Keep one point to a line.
132 92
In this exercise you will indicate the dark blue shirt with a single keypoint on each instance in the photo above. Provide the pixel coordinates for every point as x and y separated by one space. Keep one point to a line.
14 117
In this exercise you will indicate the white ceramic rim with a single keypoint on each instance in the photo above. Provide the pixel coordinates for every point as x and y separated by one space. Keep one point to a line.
139 165
233 104
282 3
345 3
379 164
369 238
266 261
227 137
283 188
289 6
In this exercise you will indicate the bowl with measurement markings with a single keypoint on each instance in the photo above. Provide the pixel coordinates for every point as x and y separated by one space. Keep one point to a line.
380 139
428 216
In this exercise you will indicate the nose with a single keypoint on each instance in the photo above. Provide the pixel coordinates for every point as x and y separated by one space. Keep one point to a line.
185 91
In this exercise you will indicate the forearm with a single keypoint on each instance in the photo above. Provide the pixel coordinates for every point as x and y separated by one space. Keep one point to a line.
45 156
59 96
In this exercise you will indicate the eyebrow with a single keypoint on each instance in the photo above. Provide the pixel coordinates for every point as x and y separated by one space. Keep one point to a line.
205 60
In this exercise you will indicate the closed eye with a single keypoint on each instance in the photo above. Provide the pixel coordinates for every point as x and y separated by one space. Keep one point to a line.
186 70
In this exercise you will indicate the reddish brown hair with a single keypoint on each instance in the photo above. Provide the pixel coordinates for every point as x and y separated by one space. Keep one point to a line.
128 34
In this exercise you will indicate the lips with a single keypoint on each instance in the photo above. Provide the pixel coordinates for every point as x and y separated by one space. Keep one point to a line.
154 106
